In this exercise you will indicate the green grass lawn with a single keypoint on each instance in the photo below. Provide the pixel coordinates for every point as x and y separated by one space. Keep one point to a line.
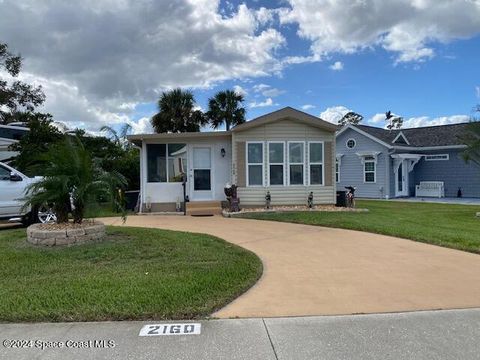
135 273
453 226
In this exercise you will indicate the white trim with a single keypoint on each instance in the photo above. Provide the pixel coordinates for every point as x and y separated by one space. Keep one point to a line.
303 163
420 148
402 135
350 126
247 180
191 169
405 185
282 163
447 157
316 163
337 169
354 143
338 159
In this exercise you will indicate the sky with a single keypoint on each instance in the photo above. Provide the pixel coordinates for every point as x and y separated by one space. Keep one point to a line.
106 62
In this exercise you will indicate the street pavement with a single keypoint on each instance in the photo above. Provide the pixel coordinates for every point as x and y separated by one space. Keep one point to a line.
446 334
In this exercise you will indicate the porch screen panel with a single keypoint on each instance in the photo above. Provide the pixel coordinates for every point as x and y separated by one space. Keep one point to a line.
156 163
177 161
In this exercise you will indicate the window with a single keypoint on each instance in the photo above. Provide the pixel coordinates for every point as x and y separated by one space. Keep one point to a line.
4 173
438 157
369 169
351 143
316 163
337 171
276 160
166 162
255 164
295 163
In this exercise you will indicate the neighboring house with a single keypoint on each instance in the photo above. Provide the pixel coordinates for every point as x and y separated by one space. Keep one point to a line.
385 164
286 152
10 134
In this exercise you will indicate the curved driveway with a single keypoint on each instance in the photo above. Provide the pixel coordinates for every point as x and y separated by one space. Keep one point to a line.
311 270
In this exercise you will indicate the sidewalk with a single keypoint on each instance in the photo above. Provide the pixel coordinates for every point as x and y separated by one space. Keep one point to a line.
451 334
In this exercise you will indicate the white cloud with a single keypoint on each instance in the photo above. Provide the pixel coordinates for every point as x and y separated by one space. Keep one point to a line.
308 107
477 90
142 126
336 66
110 56
267 90
427 121
267 102
334 114
406 27
240 90
377 118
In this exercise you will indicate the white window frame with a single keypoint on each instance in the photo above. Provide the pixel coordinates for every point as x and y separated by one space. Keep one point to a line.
374 161
296 163
316 163
434 157
354 143
248 163
269 163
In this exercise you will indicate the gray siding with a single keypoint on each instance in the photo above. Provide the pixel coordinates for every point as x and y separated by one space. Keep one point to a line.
351 168
454 173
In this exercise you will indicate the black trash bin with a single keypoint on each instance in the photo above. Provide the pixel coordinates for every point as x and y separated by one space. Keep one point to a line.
131 198
341 199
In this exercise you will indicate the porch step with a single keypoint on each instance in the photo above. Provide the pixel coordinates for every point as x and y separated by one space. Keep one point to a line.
204 208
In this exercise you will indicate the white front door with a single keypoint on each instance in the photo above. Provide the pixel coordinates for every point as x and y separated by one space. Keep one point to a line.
200 175
401 179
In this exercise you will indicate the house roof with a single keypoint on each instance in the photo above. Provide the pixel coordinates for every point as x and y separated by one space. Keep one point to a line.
137 139
286 112
428 136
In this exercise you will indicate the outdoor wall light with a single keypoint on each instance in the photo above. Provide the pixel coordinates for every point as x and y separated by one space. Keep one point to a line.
223 152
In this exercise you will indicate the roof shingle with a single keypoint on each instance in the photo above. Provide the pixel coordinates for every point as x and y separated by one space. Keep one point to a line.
440 135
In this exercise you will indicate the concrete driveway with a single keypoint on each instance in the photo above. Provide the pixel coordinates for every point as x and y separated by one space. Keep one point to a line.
311 270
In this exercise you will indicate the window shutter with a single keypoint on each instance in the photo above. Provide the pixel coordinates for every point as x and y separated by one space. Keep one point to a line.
241 176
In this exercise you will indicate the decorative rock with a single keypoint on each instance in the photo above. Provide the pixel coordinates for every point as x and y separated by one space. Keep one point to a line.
75 232
50 241
37 234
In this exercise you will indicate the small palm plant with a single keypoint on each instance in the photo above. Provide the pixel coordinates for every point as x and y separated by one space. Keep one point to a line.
73 182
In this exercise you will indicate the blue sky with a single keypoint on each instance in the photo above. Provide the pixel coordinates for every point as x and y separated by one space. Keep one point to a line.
110 61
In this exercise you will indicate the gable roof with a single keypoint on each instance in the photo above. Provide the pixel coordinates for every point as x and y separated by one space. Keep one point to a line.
290 113
428 136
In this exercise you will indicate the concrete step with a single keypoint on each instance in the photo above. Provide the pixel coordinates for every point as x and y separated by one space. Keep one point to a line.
204 208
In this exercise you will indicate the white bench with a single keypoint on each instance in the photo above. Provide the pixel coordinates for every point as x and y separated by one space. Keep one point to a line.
430 189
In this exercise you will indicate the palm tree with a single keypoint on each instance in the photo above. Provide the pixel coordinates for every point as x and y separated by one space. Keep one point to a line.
73 181
177 113
226 107
119 138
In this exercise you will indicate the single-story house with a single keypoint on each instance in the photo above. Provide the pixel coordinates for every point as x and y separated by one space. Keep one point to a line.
287 152
424 161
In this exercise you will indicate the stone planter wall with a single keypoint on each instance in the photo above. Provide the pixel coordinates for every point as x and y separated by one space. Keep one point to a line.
37 234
